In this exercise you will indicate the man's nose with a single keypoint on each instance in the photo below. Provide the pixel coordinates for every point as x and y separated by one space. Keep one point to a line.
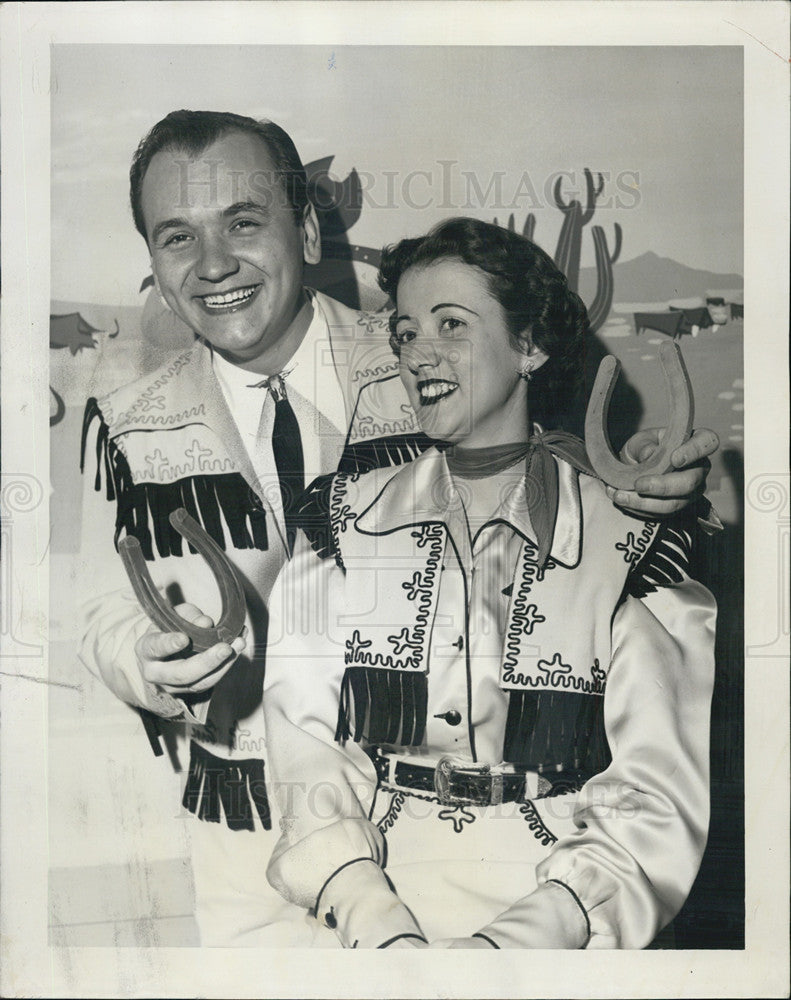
216 260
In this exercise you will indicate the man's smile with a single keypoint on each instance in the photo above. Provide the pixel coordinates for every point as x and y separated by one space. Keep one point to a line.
432 390
228 301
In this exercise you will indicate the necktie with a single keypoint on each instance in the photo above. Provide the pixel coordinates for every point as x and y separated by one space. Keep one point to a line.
287 451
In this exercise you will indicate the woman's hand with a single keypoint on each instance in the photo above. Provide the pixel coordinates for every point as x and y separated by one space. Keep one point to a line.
160 663
672 491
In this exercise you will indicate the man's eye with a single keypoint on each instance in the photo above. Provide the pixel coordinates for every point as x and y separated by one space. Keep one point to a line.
176 239
241 224
450 324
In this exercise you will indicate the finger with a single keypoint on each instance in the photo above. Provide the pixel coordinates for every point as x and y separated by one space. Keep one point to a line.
194 615
159 645
703 443
645 440
672 485
206 683
636 504
646 451
188 672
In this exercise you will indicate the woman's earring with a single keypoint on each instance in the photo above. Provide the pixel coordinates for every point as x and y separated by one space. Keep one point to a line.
525 370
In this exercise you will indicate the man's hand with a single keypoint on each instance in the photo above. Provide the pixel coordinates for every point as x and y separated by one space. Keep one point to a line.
160 663
671 492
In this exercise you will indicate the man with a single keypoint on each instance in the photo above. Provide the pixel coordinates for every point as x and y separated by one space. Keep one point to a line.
232 429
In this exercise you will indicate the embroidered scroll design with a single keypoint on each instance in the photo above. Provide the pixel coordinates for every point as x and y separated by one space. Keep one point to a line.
387 822
536 824
635 547
558 675
524 616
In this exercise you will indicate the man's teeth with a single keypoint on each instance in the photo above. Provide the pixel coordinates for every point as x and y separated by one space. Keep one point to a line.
433 391
229 298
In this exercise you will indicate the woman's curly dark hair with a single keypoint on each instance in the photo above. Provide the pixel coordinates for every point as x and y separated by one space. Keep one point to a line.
532 291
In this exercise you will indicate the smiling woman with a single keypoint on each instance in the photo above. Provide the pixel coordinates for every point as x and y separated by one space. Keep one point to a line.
483 760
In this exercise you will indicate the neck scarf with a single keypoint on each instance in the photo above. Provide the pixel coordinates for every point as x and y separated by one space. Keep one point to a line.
541 474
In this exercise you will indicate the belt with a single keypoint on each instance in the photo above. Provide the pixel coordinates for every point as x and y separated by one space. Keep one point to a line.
460 782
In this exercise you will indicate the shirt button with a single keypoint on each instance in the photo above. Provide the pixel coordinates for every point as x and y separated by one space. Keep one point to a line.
330 920
453 718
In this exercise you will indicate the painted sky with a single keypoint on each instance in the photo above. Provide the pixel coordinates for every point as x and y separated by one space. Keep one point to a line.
434 131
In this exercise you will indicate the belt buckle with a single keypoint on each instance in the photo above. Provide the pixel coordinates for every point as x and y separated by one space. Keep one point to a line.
454 769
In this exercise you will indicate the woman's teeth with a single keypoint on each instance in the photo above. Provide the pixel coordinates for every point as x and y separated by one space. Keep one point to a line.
434 391
233 298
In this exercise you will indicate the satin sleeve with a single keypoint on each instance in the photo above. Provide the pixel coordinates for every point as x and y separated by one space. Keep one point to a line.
329 856
642 823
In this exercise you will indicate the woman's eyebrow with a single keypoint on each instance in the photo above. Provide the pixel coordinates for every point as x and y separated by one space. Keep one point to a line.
455 305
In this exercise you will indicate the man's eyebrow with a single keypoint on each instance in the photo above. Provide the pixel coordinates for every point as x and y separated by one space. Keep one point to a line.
245 206
160 227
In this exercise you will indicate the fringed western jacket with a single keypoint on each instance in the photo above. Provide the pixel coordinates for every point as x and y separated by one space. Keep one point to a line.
563 703
169 440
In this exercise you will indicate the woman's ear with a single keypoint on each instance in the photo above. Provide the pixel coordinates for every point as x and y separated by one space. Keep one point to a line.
531 356
536 356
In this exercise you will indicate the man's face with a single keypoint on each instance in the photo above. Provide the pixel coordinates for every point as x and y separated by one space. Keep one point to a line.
226 251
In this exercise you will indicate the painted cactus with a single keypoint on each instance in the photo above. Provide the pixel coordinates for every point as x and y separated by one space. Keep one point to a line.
569 247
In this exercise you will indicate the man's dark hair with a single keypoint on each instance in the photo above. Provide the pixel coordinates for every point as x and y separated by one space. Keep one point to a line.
531 289
192 132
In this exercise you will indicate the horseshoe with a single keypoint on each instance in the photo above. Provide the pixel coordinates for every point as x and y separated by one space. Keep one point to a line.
607 465
161 613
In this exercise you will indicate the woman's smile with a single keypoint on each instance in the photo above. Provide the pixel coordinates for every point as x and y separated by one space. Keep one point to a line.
433 390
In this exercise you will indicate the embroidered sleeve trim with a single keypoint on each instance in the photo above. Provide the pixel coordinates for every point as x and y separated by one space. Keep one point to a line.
327 881
485 937
578 901
398 937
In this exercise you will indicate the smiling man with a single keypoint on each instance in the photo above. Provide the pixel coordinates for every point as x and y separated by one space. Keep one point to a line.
232 429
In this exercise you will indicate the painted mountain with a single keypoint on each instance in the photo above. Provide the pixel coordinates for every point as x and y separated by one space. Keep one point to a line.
651 278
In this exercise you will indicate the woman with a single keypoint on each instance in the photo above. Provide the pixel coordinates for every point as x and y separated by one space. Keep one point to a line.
489 717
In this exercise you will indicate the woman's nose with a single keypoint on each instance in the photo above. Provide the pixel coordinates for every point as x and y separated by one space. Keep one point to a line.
216 261
422 354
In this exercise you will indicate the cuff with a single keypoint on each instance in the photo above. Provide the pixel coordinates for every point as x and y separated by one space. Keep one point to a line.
708 519
358 903
550 917
163 704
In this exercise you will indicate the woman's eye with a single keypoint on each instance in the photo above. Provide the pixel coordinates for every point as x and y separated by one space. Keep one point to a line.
404 336
451 324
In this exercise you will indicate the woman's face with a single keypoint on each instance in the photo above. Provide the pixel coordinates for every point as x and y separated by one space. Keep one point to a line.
457 360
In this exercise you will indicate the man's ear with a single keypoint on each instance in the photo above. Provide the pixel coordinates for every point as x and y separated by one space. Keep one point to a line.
311 238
